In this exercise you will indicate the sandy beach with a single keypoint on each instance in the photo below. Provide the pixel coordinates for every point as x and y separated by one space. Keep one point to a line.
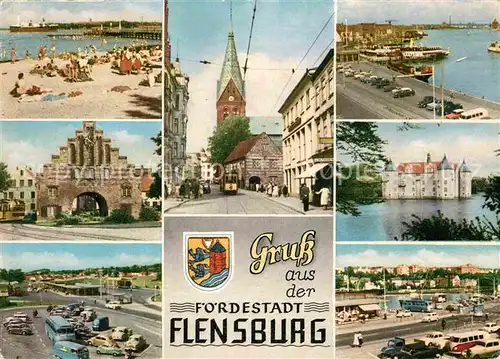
97 101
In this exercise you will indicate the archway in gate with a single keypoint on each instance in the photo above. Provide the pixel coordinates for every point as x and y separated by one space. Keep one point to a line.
90 202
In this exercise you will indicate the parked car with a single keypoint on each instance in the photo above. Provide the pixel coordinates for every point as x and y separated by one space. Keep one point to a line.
121 333
136 343
101 339
88 315
100 324
113 305
483 348
389 88
20 329
425 101
110 350
455 114
383 82
404 92
206 187
432 105
430 317
404 314
349 73
490 327
437 339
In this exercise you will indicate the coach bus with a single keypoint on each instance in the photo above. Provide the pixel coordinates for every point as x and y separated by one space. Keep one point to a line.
58 329
415 305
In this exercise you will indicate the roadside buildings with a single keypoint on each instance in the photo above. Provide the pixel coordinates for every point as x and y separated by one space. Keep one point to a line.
199 166
427 180
308 129
22 188
257 160
176 96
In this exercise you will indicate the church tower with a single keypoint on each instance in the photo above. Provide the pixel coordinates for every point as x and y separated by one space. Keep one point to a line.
230 99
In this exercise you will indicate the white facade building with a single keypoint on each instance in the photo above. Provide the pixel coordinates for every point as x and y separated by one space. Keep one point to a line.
429 180
22 187
199 166
308 129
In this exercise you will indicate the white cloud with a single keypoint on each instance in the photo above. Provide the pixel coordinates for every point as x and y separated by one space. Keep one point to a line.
124 137
487 257
263 86
66 260
124 10
411 11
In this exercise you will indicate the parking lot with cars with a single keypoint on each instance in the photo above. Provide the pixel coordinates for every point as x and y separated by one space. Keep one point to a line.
104 332
384 93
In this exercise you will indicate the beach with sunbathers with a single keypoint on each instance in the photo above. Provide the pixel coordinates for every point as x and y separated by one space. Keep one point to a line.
124 82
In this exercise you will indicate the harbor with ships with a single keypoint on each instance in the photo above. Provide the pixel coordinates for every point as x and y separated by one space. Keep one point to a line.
448 62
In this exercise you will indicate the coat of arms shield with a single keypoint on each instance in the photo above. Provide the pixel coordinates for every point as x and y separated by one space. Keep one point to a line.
208 259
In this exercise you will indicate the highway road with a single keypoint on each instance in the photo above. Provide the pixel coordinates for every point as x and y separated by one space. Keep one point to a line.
39 346
374 339
241 203
12 232
373 103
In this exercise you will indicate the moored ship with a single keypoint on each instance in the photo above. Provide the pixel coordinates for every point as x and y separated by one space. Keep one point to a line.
494 47
420 72
33 27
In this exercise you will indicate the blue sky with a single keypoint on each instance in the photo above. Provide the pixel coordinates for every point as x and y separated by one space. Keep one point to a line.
283 31
33 142
30 256
411 11
429 255
474 142
78 11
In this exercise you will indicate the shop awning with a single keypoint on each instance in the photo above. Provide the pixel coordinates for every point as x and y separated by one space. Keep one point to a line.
370 307
311 171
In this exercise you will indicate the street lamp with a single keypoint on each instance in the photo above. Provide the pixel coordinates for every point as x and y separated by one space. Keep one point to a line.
100 283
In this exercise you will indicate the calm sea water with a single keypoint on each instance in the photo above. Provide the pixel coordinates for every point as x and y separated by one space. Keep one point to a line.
479 74
32 41
383 221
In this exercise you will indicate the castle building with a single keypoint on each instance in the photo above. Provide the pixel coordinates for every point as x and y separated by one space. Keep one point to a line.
89 174
427 180
230 100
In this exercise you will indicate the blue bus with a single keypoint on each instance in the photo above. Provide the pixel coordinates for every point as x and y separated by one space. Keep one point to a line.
415 305
58 329
69 350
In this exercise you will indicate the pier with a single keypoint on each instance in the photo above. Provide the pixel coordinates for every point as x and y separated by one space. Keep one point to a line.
139 33
356 100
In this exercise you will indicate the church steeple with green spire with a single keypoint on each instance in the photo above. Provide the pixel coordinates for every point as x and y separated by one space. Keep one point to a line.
230 86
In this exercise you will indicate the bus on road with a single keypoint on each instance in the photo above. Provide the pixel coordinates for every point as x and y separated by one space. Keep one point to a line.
58 329
415 305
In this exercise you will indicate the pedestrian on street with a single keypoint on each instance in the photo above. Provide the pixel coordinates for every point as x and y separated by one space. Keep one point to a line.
269 190
275 192
325 196
201 190
443 324
360 339
257 187
182 191
285 190
304 196
355 340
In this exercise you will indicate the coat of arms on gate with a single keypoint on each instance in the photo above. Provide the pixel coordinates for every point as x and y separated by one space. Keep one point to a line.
208 259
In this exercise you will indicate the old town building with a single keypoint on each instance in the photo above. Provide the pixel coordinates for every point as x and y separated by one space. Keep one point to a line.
89 174
199 166
308 129
427 180
22 188
230 100
175 118
257 160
